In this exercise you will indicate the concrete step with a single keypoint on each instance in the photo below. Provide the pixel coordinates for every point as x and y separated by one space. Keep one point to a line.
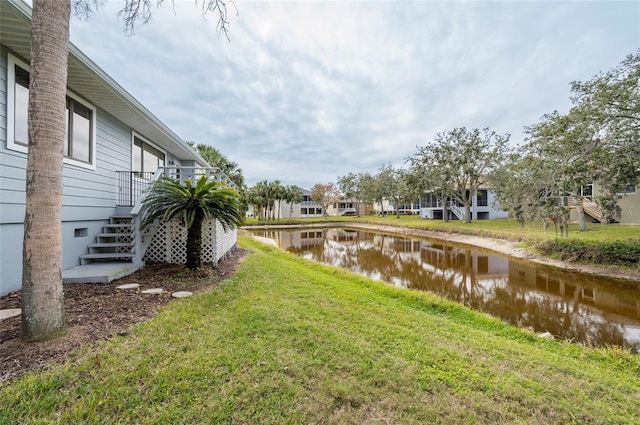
107 256
114 235
118 226
110 245
103 272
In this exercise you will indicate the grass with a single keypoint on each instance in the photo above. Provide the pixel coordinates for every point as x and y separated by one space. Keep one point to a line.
287 341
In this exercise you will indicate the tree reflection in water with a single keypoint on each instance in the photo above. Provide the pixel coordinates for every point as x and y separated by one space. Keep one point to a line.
571 306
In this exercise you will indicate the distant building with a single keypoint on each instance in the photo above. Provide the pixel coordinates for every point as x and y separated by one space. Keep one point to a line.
304 209
629 205
482 207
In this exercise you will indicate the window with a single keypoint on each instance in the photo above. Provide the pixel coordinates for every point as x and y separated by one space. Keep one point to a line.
78 132
482 198
587 191
146 158
79 147
629 189
626 189
21 102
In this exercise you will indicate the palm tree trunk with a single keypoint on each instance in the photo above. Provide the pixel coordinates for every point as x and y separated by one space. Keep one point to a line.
42 295
194 241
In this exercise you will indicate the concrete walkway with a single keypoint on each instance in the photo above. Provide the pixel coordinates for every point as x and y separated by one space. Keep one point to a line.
99 272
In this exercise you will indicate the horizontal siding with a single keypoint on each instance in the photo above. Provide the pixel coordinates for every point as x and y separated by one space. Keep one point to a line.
98 189
11 254
114 144
12 164
3 95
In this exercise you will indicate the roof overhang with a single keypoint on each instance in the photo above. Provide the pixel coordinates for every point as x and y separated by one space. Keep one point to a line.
87 80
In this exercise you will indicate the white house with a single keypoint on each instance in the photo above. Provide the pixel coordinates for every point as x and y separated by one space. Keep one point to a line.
303 209
482 207
115 149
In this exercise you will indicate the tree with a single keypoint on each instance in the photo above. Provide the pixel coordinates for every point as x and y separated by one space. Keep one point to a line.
293 195
454 166
353 188
278 191
374 189
255 197
392 185
367 188
598 140
522 187
433 176
214 157
192 205
325 195
42 294
457 164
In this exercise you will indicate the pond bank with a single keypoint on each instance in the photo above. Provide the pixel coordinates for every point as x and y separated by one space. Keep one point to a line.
501 246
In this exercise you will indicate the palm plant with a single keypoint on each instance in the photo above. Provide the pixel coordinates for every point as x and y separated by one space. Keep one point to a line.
191 204
293 195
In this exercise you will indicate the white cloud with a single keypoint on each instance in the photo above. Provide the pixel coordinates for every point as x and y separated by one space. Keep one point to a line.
306 91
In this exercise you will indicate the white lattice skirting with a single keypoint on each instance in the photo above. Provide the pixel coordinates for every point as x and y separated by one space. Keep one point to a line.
169 244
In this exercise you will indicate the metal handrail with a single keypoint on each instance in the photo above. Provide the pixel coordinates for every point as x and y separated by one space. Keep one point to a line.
133 184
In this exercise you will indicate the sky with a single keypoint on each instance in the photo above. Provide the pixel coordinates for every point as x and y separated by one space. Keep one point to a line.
306 91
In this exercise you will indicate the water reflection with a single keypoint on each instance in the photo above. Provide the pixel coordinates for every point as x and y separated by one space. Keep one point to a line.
573 306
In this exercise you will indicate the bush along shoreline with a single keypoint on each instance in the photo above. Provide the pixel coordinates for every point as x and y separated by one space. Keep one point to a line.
616 253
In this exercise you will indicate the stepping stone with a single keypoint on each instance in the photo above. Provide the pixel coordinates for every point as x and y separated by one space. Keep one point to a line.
129 286
181 294
153 291
10 313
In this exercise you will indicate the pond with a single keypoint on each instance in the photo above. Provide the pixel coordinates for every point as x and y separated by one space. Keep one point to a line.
581 308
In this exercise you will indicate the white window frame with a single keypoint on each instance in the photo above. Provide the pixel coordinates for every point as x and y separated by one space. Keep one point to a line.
628 192
12 61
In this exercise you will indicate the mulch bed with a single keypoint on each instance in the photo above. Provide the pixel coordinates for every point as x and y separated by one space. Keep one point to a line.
97 311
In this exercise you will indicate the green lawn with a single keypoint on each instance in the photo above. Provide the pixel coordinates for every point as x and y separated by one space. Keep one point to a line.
290 341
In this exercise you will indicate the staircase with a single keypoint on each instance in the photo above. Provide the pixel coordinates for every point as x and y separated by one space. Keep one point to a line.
592 209
116 242
456 210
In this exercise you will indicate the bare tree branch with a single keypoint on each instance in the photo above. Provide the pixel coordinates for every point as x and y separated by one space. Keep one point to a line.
140 11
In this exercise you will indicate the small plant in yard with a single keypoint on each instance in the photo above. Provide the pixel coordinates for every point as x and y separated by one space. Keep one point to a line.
192 204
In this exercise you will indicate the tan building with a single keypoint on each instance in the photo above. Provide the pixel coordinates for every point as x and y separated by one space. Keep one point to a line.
629 205
349 208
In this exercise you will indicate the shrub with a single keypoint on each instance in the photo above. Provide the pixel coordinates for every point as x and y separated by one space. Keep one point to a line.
616 252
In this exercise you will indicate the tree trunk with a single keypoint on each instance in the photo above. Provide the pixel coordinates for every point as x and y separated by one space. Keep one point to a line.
445 211
467 212
42 295
194 241
582 222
